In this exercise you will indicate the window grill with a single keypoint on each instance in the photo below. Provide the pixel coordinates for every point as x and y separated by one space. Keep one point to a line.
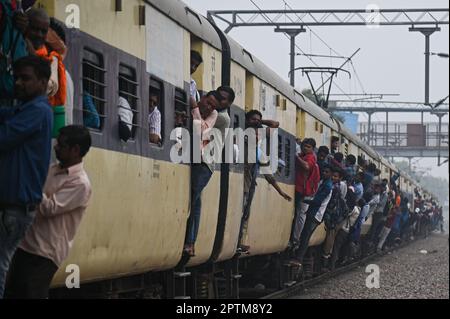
94 86
128 89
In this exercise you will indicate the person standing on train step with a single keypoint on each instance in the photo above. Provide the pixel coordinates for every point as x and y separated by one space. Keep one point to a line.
196 61
47 243
335 214
25 145
314 215
255 121
204 115
306 185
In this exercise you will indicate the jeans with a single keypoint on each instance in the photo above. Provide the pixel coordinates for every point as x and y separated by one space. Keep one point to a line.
311 224
355 235
299 219
201 175
14 222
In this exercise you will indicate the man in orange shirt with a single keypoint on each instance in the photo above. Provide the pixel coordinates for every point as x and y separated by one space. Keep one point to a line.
36 37
47 243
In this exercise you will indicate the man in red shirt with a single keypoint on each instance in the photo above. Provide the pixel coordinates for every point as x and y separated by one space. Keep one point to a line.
306 183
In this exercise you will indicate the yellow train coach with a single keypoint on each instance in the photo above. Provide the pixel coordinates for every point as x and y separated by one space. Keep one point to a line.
131 239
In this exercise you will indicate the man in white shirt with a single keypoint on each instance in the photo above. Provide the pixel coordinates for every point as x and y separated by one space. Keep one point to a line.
154 120
125 119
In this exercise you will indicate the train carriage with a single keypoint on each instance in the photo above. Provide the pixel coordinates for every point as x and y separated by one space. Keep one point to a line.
136 222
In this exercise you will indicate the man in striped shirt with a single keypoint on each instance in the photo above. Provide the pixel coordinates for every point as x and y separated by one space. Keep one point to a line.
154 120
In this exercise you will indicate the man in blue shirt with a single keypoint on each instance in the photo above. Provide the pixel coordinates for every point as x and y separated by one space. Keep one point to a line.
25 145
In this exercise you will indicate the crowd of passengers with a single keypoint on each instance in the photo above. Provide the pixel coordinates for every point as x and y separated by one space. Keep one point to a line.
43 197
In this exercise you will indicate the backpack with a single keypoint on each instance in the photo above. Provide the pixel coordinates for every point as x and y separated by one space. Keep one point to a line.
312 183
337 210
12 48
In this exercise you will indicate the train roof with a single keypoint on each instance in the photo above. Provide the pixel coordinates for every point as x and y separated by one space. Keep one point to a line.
189 19
255 66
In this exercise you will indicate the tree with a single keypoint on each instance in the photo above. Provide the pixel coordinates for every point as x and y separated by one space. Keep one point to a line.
436 185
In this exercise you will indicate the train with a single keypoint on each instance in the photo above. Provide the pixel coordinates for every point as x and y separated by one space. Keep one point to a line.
131 238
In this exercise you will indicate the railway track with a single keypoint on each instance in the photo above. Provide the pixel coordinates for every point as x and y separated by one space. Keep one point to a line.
297 288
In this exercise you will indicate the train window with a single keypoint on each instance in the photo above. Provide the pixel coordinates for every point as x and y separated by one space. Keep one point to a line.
155 124
280 154
317 126
94 87
236 123
181 109
321 128
287 170
128 89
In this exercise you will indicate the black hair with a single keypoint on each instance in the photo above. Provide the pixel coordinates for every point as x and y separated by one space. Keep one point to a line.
335 139
196 56
323 149
58 28
228 90
336 169
309 141
351 159
40 66
371 167
38 13
77 135
249 114
339 157
216 94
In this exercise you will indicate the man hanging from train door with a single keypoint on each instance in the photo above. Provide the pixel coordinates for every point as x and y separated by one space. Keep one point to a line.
65 198
306 184
255 121
205 116
25 146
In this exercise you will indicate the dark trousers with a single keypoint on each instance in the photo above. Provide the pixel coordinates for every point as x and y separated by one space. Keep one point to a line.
29 276
377 226
338 251
201 174
14 222
311 224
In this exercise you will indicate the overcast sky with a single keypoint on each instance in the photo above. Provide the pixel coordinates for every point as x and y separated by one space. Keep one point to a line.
391 59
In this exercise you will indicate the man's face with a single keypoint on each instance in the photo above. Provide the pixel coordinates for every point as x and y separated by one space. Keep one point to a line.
207 105
326 173
336 177
194 65
335 145
37 32
64 153
153 103
321 156
306 148
225 103
254 121
27 85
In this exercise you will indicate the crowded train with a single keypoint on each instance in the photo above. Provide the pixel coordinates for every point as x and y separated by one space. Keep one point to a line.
109 103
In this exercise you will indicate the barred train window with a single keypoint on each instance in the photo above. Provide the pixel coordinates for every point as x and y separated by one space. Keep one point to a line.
280 153
128 89
287 170
157 89
93 90
181 108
